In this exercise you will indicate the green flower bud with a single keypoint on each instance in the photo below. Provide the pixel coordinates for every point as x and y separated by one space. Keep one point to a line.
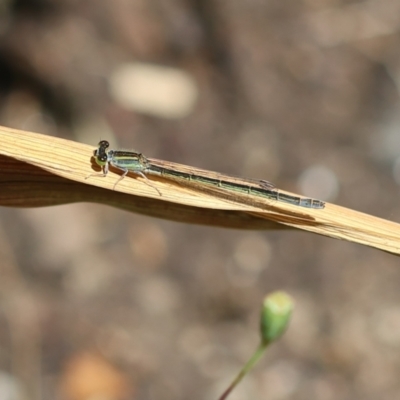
275 316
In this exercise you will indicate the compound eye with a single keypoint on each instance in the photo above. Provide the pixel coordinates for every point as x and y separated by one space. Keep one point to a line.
104 144
102 157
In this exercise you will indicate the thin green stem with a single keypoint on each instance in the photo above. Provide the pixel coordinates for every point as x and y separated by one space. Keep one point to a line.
250 364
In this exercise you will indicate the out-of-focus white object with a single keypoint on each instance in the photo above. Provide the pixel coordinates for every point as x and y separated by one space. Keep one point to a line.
158 91
11 388
320 182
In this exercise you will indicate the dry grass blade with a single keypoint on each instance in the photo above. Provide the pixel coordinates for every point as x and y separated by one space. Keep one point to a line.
38 170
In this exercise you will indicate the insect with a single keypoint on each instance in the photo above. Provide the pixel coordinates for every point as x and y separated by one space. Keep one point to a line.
197 179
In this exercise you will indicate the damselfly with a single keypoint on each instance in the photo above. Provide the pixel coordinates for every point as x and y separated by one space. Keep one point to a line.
197 179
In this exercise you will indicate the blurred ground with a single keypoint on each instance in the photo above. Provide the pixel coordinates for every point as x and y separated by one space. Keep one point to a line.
96 302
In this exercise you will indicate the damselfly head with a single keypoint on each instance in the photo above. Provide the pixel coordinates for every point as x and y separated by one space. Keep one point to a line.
100 154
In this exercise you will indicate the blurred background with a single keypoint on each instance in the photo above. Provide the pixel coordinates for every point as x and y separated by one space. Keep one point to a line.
99 303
